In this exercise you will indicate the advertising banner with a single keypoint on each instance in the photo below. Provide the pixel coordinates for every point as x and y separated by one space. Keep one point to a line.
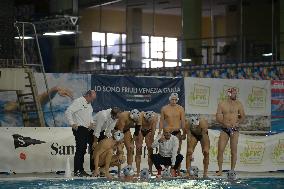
277 106
26 150
142 93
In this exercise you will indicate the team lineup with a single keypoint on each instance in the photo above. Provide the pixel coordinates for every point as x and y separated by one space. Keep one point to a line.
109 132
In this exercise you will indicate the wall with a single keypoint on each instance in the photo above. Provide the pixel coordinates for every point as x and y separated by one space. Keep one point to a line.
114 21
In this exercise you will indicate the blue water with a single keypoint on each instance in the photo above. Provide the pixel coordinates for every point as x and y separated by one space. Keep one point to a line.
259 183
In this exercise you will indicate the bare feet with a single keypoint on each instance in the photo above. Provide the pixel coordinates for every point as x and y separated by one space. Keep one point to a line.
108 176
205 176
96 173
219 173
190 176
158 176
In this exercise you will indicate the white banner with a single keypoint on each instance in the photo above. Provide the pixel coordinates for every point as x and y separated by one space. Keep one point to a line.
255 153
26 150
202 95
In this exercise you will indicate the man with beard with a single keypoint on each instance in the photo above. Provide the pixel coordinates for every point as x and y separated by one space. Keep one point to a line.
230 114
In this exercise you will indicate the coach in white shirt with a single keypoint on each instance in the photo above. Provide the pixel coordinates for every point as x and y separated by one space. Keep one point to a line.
104 123
168 147
79 116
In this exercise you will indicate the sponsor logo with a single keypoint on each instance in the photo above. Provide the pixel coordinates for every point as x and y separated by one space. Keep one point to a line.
278 152
200 96
253 152
257 98
57 149
21 141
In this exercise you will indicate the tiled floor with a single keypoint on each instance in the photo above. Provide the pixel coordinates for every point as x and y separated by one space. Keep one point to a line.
35 176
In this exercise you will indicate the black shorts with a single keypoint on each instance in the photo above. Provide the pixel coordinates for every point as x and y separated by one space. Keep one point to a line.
230 131
145 132
176 132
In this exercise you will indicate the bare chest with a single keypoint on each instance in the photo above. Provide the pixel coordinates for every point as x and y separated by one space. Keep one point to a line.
172 112
231 108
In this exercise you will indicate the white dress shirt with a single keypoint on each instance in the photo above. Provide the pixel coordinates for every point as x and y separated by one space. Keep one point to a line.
103 121
167 148
80 113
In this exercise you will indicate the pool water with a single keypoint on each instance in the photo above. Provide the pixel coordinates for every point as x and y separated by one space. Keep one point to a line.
259 183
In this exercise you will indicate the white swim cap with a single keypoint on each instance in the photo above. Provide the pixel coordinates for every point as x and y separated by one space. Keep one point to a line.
231 175
166 173
194 119
193 170
118 135
174 95
135 114
128 171
144 174
148 115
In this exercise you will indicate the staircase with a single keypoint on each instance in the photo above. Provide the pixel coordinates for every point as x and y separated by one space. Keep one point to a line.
29 102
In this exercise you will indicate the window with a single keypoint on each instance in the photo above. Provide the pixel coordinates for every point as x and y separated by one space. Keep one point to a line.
157 47
113 42
108 49
156 51
98 43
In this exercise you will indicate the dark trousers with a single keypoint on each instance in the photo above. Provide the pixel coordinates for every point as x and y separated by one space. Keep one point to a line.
102 136
159 160
83 136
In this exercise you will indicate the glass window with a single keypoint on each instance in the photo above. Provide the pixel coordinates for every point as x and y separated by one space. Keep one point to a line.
156 64
170 64
145 46
98 43
170 48
157 47
123 41
145 63
113 41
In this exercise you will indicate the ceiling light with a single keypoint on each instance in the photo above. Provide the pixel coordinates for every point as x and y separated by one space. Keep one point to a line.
65 32
52 34
25 37
268 54
186 59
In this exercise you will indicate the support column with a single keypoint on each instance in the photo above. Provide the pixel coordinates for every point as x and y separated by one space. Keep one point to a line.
191 26
134 33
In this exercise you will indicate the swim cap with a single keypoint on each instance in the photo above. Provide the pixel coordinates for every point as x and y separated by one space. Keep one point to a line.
231 175
194 119
193 170
231 90
118 135
148 115
166 173
144 174
128 171
174 95
135 114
